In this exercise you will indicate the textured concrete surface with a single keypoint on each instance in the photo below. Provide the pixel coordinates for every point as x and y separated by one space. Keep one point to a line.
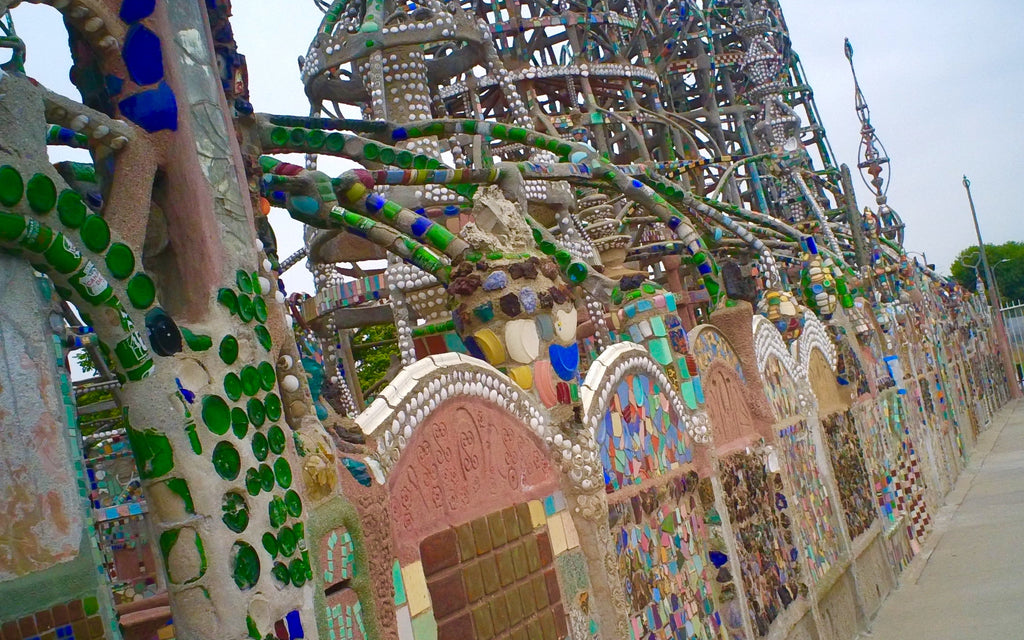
968 582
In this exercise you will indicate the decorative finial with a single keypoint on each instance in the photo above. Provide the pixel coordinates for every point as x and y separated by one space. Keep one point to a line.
873 161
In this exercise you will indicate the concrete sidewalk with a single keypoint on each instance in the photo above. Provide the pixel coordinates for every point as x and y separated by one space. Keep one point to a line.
968 581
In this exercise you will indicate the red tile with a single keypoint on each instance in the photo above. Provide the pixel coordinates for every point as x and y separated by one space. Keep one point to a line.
561 623
447 594
60 615
44 620
459 628
10 630
439 551
75 610
554 595
544 544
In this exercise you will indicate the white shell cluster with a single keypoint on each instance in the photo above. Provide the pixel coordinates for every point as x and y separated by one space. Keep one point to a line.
814 336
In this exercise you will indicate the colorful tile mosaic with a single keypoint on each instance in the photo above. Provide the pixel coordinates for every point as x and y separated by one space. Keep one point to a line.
769 557
844 448
779 389
640 436
710 345
848 369
659 539
494 577
74 620
811 506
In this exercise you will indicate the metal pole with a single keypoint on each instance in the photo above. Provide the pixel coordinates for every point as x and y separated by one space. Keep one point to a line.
997 314
981 247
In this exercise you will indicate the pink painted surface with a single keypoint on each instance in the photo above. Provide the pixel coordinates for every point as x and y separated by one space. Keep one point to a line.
42 512
731 420
468 459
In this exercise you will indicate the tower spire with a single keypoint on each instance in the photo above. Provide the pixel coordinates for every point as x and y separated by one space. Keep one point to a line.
873 161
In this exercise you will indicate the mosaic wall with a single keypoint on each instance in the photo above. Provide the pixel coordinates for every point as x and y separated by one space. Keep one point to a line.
844 448
906 493
779 389
344 612
493 577
848 369
759 512
119 510
811 506
895 472
75 620
465 456
660 539
640 437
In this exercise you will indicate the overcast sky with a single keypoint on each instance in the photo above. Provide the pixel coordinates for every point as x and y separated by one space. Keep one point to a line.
944 82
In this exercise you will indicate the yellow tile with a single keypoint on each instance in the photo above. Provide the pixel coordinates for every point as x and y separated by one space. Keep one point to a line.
572 537
537 513
416 587
556 531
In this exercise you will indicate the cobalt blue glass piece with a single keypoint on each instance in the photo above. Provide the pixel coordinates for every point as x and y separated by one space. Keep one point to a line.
399 134
451 210
473 348
142 55
420 226
65 135
154 109
674 222
565 360
812 246
294 623
637 184
114 85
374 202
704 268
135 10
780 502
718 559
793 554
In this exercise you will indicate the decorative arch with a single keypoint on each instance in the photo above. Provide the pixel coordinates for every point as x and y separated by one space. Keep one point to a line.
419 389
708 344
769 342
619 360
637 418
814 337
481 495
642 425
779 371
732 419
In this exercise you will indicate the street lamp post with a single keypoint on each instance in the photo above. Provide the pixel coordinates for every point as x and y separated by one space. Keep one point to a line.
997 314
981 249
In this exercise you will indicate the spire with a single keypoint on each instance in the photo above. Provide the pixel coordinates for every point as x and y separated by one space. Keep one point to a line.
873 161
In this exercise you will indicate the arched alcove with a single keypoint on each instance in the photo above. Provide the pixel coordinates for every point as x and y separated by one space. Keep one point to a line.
478 517
656 519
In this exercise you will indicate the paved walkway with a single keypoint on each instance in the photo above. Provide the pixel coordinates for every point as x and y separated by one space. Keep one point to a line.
968 582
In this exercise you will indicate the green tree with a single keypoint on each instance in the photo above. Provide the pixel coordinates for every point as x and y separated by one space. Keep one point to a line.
373 348
1007 262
